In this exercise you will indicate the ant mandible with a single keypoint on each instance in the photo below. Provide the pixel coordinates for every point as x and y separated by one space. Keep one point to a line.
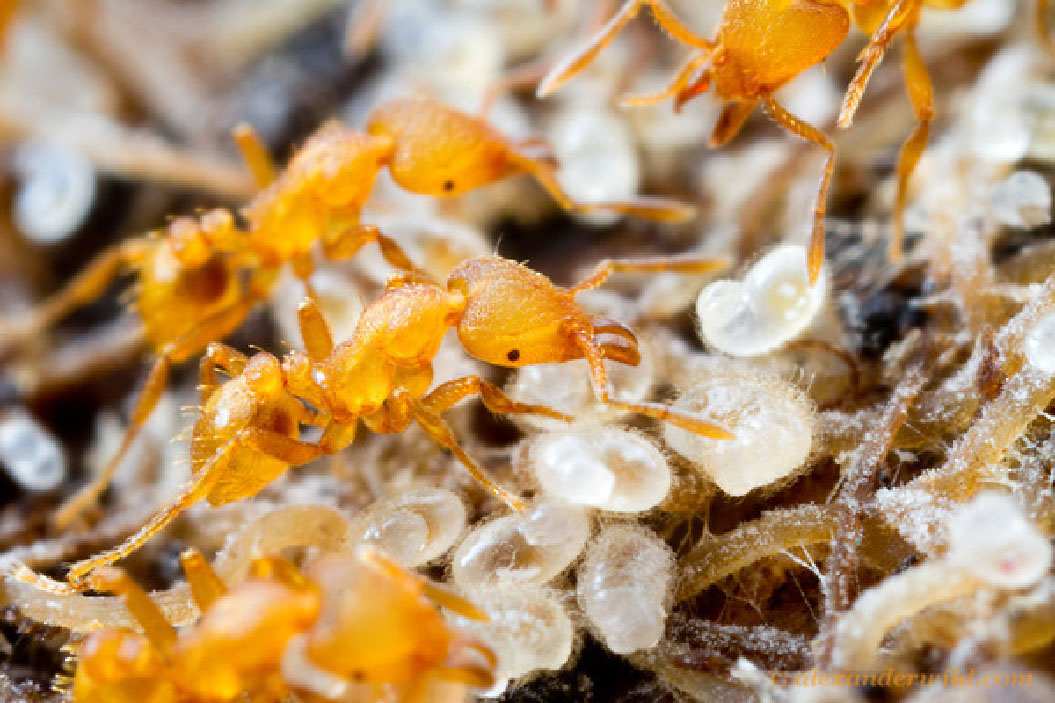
504 314
189 279
355 617
760 46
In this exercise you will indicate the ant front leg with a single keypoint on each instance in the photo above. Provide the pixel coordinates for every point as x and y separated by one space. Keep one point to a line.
815 251
574 64
159 631
441 433
279 446
206 587
679 86
686 264
901 12
348 243
219 325
88 285
447 395
921 92
646 207
657 411
254 154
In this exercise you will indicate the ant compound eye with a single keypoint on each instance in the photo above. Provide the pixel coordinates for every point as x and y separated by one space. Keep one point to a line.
513 355
771 306
528 549
624 581
448 186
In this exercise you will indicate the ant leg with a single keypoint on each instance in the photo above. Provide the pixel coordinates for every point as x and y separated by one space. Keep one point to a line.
218 325
470 662
440 433
363 27
657 411
159 631
314 330
921 92
1044 24
86 286
449 394
647 207
279 446
689 72
729 123
900 13
218 355
815 257
687 264
198 487
348 243
205 585
254 154
576 62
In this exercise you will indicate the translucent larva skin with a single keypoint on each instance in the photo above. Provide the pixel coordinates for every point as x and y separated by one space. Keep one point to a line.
600 467
527 550
413 527
773 304
623 587
773 422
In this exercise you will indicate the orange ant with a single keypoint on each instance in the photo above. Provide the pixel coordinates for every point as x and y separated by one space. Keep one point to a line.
759 47
190 291
503 312
353 618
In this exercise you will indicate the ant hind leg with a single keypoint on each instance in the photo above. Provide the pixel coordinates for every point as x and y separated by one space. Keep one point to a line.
921 92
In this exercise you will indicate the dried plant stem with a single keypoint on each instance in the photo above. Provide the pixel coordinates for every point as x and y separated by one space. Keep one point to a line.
774 532
292 526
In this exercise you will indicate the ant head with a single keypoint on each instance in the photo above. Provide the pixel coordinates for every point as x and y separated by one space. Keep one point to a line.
440 151
514 316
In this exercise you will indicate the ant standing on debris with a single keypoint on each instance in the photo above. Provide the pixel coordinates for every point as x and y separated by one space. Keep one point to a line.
504 314
190 289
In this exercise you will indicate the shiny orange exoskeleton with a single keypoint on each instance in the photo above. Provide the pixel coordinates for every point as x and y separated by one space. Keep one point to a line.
354 621
190 278
248 431
759 47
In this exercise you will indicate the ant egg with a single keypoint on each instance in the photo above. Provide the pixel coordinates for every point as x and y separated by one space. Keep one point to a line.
528 549
414 527
772 420
623 587
1022 200
772 305
992 538
528 629
56 192
601 467
31 455
1040 345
